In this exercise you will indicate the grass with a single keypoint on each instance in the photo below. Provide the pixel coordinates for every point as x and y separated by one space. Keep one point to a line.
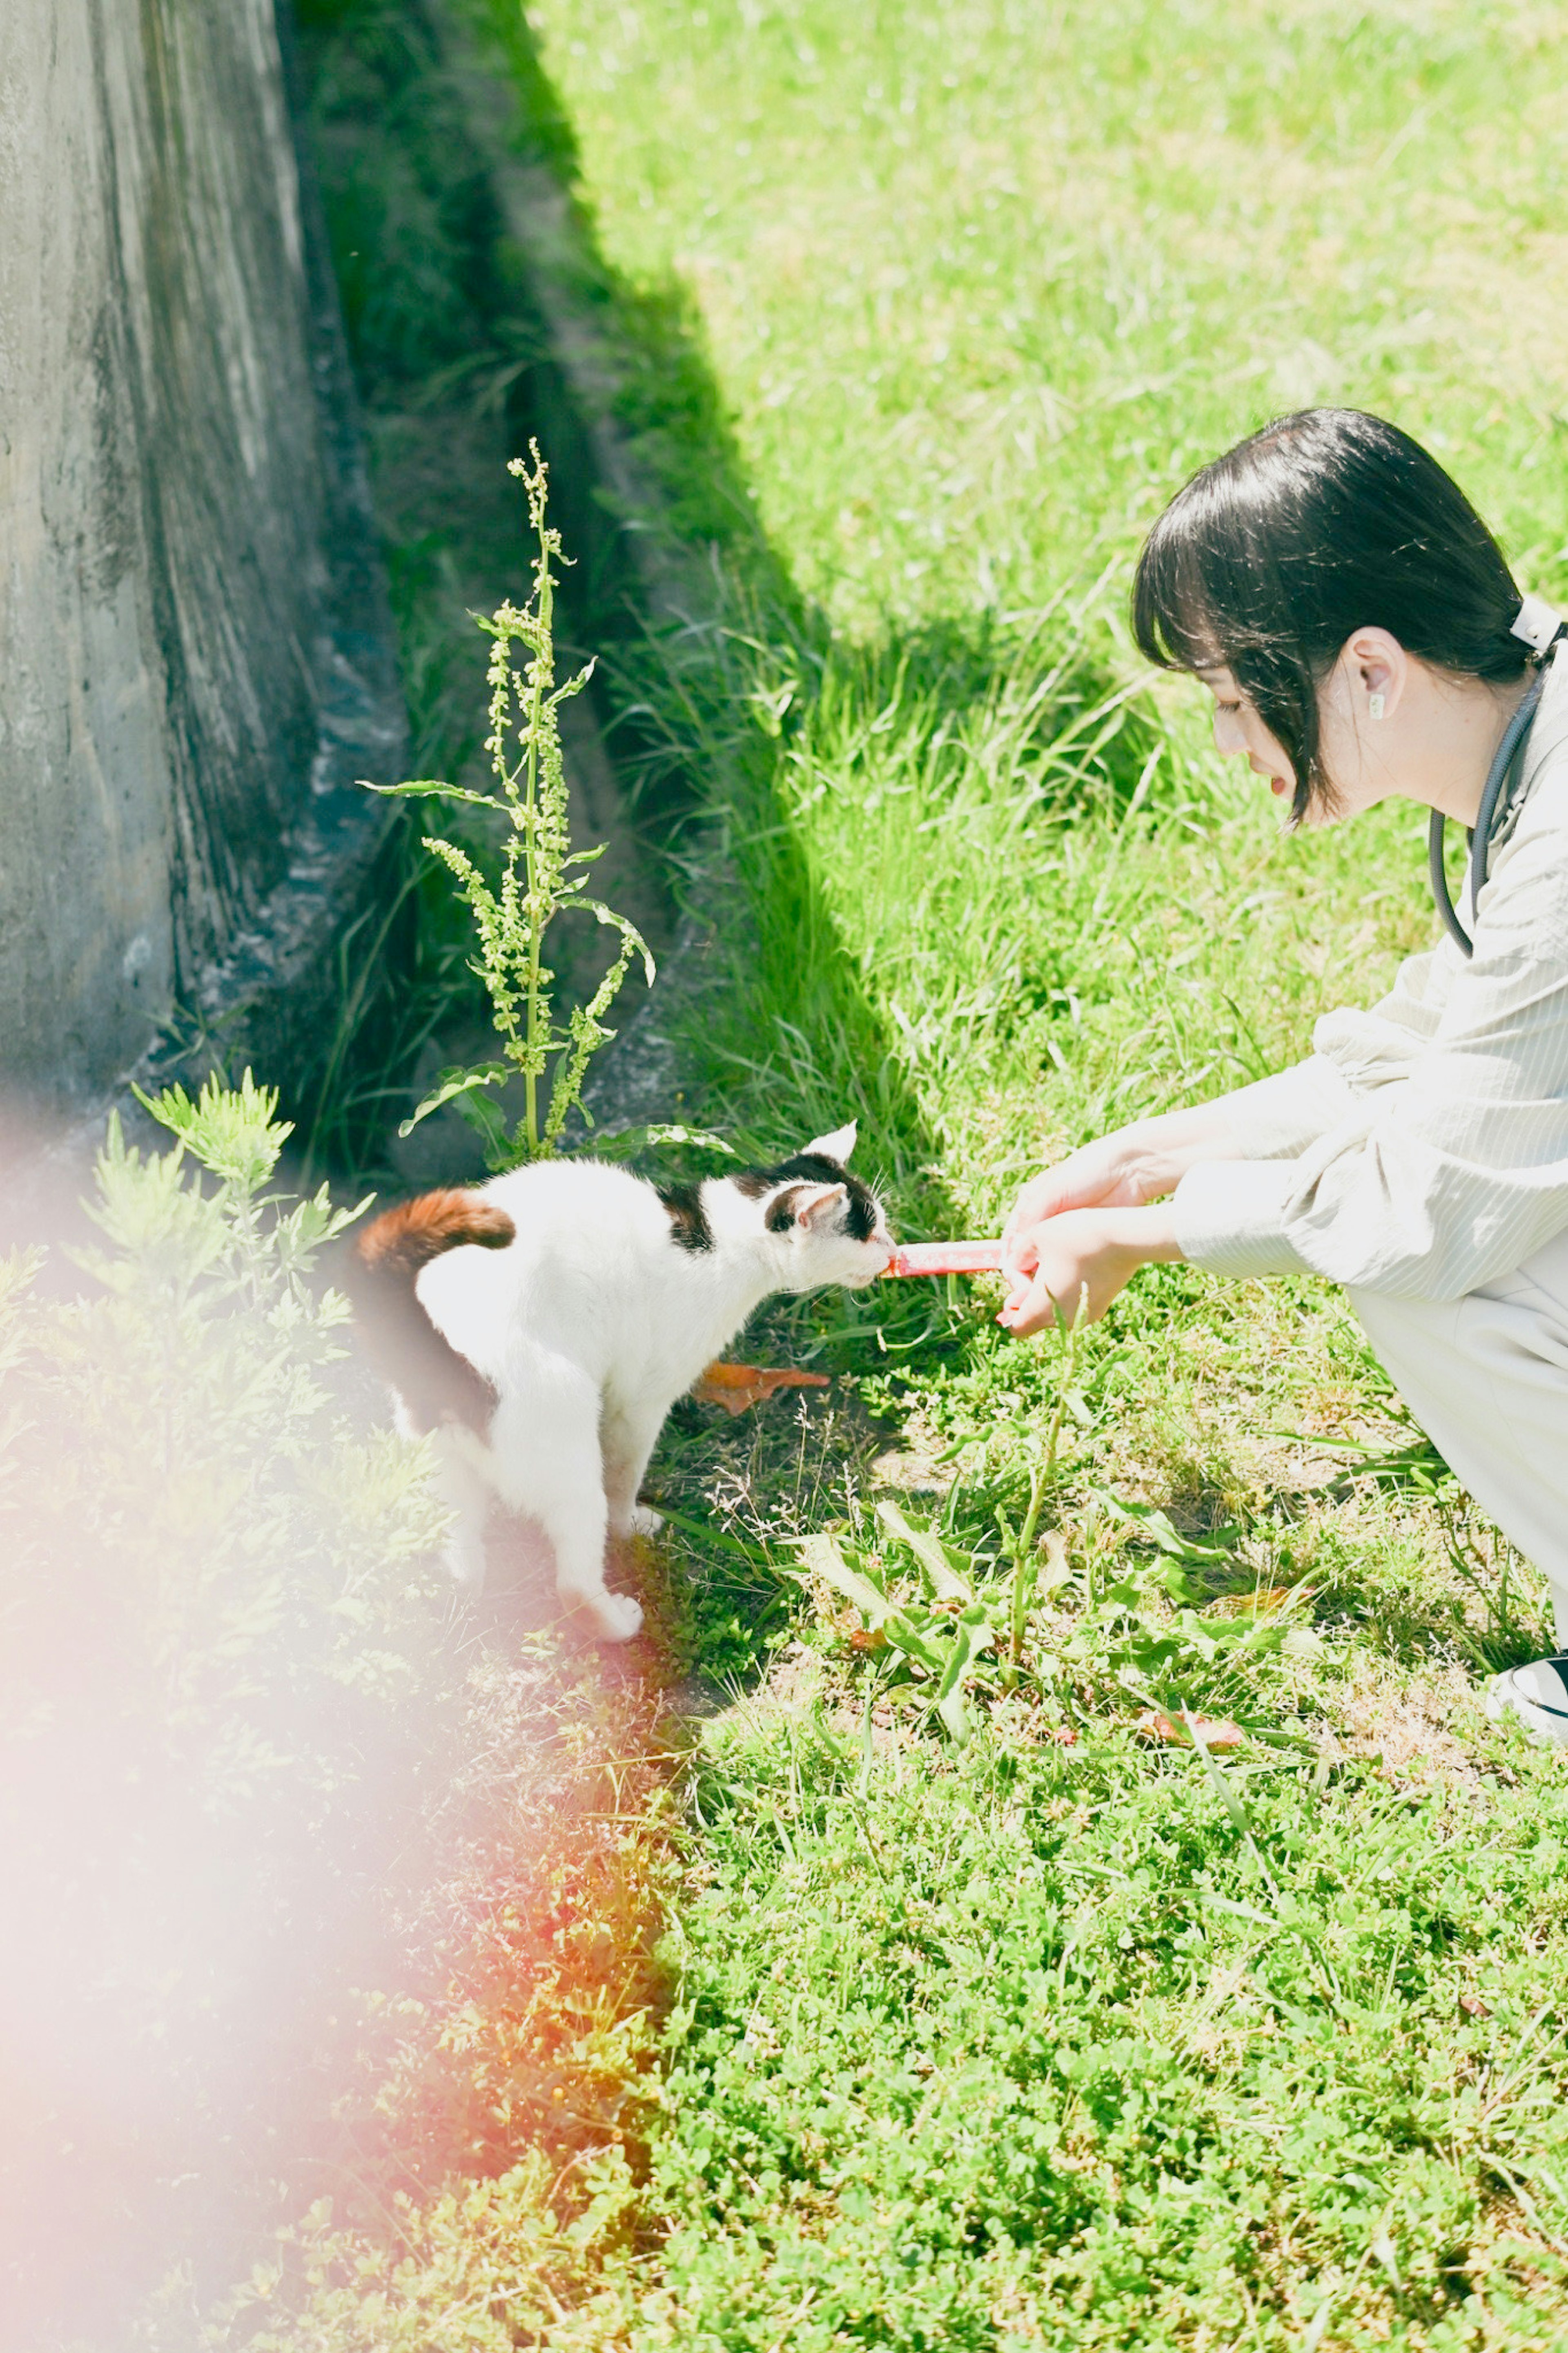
1067 2035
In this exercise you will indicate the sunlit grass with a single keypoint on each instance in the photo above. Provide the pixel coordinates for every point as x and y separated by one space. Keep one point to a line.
978 288
981 283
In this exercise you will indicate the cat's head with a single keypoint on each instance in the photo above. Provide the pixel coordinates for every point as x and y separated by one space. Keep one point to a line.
828 1226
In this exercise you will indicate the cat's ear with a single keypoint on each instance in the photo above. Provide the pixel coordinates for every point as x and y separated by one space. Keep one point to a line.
814 1206
837 1147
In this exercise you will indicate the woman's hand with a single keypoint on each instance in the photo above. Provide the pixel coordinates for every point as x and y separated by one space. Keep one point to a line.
1073 1262
1119 1172
1112 1173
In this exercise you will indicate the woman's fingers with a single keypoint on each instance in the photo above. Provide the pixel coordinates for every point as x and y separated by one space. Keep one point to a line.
1019 1255
1029 1309
1087 1179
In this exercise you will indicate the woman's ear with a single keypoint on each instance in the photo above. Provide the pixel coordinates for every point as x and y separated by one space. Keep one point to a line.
837 1147
1374 666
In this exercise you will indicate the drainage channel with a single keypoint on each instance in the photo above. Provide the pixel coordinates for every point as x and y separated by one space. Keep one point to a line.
513 349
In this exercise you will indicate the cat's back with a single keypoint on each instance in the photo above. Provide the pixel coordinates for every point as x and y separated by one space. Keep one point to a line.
587 1237
570 1210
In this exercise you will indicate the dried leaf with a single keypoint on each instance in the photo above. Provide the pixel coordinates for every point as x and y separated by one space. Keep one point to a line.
736 1387
1261 1604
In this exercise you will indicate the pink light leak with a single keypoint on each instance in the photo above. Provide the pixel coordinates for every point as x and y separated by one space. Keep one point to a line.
945 1258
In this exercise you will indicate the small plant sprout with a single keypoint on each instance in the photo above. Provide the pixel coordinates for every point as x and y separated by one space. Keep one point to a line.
541 878
236 1136
941 1634
1041 1454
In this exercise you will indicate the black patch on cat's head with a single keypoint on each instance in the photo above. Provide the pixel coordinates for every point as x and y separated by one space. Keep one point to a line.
688 1225
810 1169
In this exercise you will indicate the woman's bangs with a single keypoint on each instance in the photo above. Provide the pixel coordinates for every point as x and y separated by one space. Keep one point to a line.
1174 617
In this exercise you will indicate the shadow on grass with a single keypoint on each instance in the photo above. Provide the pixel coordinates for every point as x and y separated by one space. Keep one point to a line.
709 705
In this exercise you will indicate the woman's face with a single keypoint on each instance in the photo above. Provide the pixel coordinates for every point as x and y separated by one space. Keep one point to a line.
1238 730
1358 752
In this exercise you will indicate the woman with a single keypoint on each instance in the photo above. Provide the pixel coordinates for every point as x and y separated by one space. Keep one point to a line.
1363 638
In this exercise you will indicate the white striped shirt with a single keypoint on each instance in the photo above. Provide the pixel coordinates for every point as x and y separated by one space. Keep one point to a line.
1422 1150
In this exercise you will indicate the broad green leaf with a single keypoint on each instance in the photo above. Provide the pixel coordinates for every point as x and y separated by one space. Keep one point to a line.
928 1549
626 1142
823 1556
1059 1566
622 923
456 1082
431 789
1157 1527
954 1710
915 1638
972 1635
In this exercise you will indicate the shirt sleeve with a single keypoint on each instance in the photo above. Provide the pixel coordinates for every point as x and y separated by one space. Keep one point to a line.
1276 1118
1447 1165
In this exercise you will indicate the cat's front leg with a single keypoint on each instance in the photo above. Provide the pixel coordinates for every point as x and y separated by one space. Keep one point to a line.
550 1467
628 1441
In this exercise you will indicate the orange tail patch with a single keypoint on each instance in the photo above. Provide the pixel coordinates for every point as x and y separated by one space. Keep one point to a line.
435 1383
402 1240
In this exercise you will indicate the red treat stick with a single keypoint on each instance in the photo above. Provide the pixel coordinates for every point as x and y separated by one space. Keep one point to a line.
945 1258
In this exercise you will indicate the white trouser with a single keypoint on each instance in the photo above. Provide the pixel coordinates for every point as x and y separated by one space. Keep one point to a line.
1486 1377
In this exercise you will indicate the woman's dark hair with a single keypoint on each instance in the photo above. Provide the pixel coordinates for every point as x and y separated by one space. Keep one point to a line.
1322 523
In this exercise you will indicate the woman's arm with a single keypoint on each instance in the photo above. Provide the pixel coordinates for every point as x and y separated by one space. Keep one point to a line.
1128 1169
1079 1232
1087 1220
1453 1171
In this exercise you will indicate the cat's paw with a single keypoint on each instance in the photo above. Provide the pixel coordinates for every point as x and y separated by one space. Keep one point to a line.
615 1616
646 1521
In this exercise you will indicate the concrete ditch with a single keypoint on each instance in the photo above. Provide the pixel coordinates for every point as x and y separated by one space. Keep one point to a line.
195 651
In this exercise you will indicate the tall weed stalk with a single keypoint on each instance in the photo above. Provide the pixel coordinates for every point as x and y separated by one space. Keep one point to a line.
541 878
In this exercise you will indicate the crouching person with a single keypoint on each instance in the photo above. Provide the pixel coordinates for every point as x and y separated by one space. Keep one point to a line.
1362 638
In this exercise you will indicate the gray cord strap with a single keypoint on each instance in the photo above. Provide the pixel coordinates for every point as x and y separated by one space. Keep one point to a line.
1480 836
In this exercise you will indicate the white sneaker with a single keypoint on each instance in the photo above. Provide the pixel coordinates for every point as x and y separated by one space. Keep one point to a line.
1538 1695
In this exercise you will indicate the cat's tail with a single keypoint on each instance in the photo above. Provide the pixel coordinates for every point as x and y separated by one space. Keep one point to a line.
435 1383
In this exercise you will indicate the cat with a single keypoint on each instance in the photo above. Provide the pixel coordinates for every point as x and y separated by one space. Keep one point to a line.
542 1327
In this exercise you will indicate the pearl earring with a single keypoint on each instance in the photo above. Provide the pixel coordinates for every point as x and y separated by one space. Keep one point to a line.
1374 706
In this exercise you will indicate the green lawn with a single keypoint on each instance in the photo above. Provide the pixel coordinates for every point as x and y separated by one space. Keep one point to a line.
1054 2036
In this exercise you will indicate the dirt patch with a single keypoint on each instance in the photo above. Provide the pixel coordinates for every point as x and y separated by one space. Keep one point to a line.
1406 1726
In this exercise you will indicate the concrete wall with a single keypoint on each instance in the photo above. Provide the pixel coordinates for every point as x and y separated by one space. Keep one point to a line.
193 651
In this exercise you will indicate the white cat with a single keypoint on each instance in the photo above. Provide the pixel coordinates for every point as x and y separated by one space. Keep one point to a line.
543 1325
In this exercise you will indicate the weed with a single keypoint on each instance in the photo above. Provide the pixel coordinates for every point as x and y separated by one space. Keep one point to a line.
227 1679
540 880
